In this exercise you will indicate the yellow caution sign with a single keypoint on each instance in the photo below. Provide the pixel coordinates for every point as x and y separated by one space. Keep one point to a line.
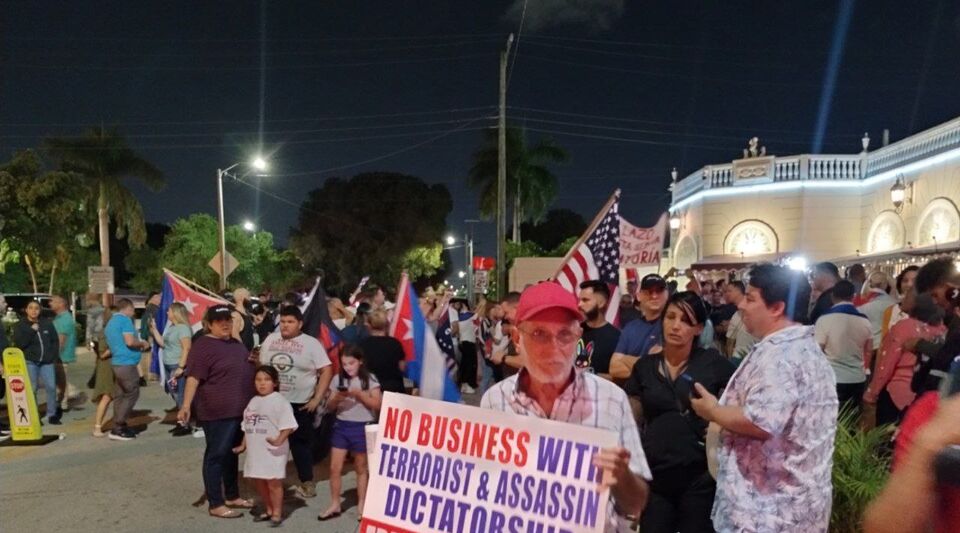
21 403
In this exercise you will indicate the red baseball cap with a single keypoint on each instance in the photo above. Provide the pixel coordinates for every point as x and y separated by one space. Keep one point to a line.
546 295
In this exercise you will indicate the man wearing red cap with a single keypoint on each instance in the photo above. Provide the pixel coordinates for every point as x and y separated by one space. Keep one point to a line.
548 386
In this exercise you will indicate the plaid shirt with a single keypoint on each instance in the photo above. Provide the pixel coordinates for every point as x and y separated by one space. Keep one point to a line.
588 401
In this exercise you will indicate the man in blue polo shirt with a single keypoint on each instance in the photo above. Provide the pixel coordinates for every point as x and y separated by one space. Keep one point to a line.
644 334
126 348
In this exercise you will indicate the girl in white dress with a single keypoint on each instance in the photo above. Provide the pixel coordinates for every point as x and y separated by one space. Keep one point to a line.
267 423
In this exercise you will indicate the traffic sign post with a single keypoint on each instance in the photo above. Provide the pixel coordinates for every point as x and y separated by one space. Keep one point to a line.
100 279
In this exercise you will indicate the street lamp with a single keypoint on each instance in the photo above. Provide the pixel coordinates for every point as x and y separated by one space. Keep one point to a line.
258 164
249 226
461 274
451 240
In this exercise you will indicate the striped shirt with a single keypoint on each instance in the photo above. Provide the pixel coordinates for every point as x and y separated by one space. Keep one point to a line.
588 401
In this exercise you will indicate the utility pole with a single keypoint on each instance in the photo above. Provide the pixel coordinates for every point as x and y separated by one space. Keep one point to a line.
502 175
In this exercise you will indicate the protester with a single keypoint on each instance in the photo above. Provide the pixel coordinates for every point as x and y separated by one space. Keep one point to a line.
492 314
242 322
939 279
175 345
126 349
846 336
357 331
267 424
505 353
384 354
823 277
681 493
600 336
37 338
877 296
913 499
220 377
857 275
548 386
739 340
896 312
339 314
67 338
262 322
305 373
150 311
464 327
356 400
103 379
778 416
643 335
889 393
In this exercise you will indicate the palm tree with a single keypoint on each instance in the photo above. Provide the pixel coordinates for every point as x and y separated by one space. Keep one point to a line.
106 162
531 186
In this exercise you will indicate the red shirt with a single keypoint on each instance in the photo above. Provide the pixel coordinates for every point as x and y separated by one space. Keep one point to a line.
918 415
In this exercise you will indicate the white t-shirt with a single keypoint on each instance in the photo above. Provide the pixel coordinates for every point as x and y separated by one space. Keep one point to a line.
350 409
743 341
844 338
266 416
297 360
468 330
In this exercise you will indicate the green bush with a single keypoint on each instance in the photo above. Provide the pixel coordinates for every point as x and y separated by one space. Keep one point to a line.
861 465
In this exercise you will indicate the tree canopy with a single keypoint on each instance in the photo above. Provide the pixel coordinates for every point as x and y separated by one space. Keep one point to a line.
373 224
557 226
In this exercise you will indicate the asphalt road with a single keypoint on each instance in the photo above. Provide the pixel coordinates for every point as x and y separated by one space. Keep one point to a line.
82 483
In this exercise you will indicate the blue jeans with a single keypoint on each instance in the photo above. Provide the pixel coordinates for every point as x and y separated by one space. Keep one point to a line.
48 374
486 377
181 384
220 465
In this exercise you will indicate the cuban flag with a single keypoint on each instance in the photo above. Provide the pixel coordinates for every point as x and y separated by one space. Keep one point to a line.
194 297
426 362
317 323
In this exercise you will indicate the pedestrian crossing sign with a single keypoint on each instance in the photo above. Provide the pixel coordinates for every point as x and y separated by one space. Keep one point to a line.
21 403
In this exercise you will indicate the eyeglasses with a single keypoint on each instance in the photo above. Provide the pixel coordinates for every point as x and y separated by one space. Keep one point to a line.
541 336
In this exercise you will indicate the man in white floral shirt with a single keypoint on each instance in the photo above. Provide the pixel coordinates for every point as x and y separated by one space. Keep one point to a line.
778 417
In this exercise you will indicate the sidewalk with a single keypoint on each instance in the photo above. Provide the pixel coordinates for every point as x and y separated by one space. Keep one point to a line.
82 483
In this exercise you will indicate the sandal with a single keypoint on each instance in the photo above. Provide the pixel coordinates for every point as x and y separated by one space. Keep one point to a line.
240 503
330 516
276 521
229 513
263 517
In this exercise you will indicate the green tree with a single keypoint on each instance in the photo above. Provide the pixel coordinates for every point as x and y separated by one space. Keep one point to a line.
192 243
557 226
531 186
367 225
43 222
107 163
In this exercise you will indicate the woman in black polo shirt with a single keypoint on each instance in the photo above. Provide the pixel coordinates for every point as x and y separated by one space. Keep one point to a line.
682 490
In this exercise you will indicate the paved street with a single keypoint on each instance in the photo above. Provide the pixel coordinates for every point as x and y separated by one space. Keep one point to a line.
82 483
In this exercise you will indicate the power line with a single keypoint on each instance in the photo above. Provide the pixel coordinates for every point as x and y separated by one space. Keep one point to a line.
287 120
167 39
516 48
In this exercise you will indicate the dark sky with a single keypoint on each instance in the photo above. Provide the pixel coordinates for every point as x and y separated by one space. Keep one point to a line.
631 89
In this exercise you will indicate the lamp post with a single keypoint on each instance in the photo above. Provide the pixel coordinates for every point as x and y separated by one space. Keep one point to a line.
258 164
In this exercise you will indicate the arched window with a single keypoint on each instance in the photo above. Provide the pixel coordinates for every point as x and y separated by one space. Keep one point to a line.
751 237
685 254
887 233
939 223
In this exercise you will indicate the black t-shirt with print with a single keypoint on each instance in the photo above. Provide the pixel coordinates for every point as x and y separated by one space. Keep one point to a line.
604 341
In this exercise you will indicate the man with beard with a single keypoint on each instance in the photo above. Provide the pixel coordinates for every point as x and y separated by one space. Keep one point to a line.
598 335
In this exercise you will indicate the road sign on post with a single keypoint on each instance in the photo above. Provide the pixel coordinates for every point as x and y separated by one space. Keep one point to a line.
481 281
232 263
100 279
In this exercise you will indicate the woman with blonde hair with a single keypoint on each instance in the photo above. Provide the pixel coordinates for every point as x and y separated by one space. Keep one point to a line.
175 343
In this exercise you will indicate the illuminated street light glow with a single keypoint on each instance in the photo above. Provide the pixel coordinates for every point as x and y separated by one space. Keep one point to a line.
249 226
259 163
461 274
451 240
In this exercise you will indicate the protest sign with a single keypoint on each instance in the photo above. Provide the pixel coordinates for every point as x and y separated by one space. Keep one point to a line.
450 468
641 246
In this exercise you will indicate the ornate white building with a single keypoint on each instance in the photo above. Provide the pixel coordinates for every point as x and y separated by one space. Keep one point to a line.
897 204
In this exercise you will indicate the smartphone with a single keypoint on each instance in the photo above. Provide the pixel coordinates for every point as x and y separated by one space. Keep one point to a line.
342 388
693 390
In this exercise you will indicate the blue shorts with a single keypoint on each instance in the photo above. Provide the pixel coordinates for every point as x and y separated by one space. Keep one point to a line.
350 436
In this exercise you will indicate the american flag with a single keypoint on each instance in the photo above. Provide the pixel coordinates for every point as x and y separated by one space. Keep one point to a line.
597 257
444 337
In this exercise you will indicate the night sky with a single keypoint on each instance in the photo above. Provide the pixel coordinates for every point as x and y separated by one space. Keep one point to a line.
631 89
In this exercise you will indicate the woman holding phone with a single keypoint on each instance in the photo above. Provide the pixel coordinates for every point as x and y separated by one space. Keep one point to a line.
681 493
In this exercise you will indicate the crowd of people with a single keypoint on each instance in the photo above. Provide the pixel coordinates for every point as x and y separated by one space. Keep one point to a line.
725 396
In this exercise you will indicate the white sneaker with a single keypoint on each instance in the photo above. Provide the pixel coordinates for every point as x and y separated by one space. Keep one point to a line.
467 389
199 434
65 405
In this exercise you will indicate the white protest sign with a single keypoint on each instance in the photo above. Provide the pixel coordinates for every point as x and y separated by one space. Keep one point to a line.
641 246
446 467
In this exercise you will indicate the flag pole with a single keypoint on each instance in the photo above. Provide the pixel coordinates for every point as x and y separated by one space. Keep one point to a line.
590 229
194 284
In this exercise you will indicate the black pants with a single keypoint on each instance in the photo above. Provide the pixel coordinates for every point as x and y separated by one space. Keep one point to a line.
850 394
301 443
468 364
680 501
887 411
